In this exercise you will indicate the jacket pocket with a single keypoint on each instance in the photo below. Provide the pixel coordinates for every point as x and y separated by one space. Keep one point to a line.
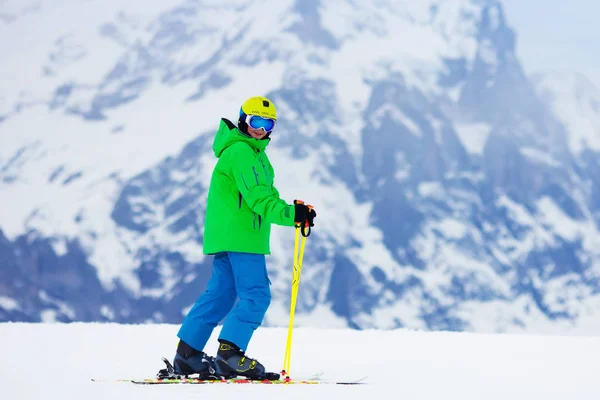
256 221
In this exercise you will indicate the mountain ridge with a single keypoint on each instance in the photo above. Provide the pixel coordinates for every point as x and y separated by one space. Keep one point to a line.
419 228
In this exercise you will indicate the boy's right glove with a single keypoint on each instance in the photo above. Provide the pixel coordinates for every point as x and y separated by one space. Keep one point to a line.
303 213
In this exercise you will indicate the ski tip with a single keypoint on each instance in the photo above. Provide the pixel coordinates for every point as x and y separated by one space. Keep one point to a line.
359 381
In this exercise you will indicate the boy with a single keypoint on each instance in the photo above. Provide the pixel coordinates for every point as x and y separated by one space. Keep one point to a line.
242 205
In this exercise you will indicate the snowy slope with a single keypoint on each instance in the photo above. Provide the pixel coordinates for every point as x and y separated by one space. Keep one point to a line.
399 363
446 198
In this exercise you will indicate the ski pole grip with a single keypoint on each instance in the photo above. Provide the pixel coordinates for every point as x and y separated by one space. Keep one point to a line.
303 225
306 226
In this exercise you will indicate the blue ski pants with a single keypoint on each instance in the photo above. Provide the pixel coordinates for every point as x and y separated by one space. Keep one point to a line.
234 275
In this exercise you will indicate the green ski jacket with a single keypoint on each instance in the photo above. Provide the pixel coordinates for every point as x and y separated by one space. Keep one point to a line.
242 201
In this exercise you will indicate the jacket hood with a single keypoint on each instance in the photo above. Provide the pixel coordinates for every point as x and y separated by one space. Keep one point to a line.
229 134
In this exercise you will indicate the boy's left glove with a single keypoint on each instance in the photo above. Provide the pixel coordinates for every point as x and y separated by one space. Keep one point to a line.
303 213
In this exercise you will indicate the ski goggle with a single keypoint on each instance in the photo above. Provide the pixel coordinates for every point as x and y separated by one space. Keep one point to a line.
256 122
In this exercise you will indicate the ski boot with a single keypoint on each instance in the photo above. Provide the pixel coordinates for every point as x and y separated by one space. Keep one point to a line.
231 362
189 361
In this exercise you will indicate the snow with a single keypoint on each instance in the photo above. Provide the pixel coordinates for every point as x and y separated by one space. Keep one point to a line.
451 261
473 136
391 111
575 101
564 295
107 312
487 52
50 315
523 316
551 214
361 241
452 228
400 38
431 189
8 303
59 246
516 211
403 167
539 157
545 226
408 314
40 32
398 363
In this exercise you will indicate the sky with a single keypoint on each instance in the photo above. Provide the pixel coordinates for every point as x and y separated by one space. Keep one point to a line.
58 361
557 35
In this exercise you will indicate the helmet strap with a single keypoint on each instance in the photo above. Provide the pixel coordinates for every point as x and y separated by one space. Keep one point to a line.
242 125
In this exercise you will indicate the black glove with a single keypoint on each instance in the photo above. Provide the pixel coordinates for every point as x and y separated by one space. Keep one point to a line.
303 213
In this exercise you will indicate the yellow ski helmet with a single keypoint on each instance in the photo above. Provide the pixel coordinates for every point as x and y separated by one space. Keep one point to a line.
259 112
260 106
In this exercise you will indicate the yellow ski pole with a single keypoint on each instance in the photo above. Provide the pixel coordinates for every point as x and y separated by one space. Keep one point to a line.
297 269
288 345
293 306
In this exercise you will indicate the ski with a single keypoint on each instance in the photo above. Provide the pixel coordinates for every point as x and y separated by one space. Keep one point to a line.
196 381
167 376
313 380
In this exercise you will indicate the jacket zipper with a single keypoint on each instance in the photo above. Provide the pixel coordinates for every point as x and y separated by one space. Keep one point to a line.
255 174
253 213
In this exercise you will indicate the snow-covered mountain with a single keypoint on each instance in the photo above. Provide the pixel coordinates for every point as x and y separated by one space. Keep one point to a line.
452 191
